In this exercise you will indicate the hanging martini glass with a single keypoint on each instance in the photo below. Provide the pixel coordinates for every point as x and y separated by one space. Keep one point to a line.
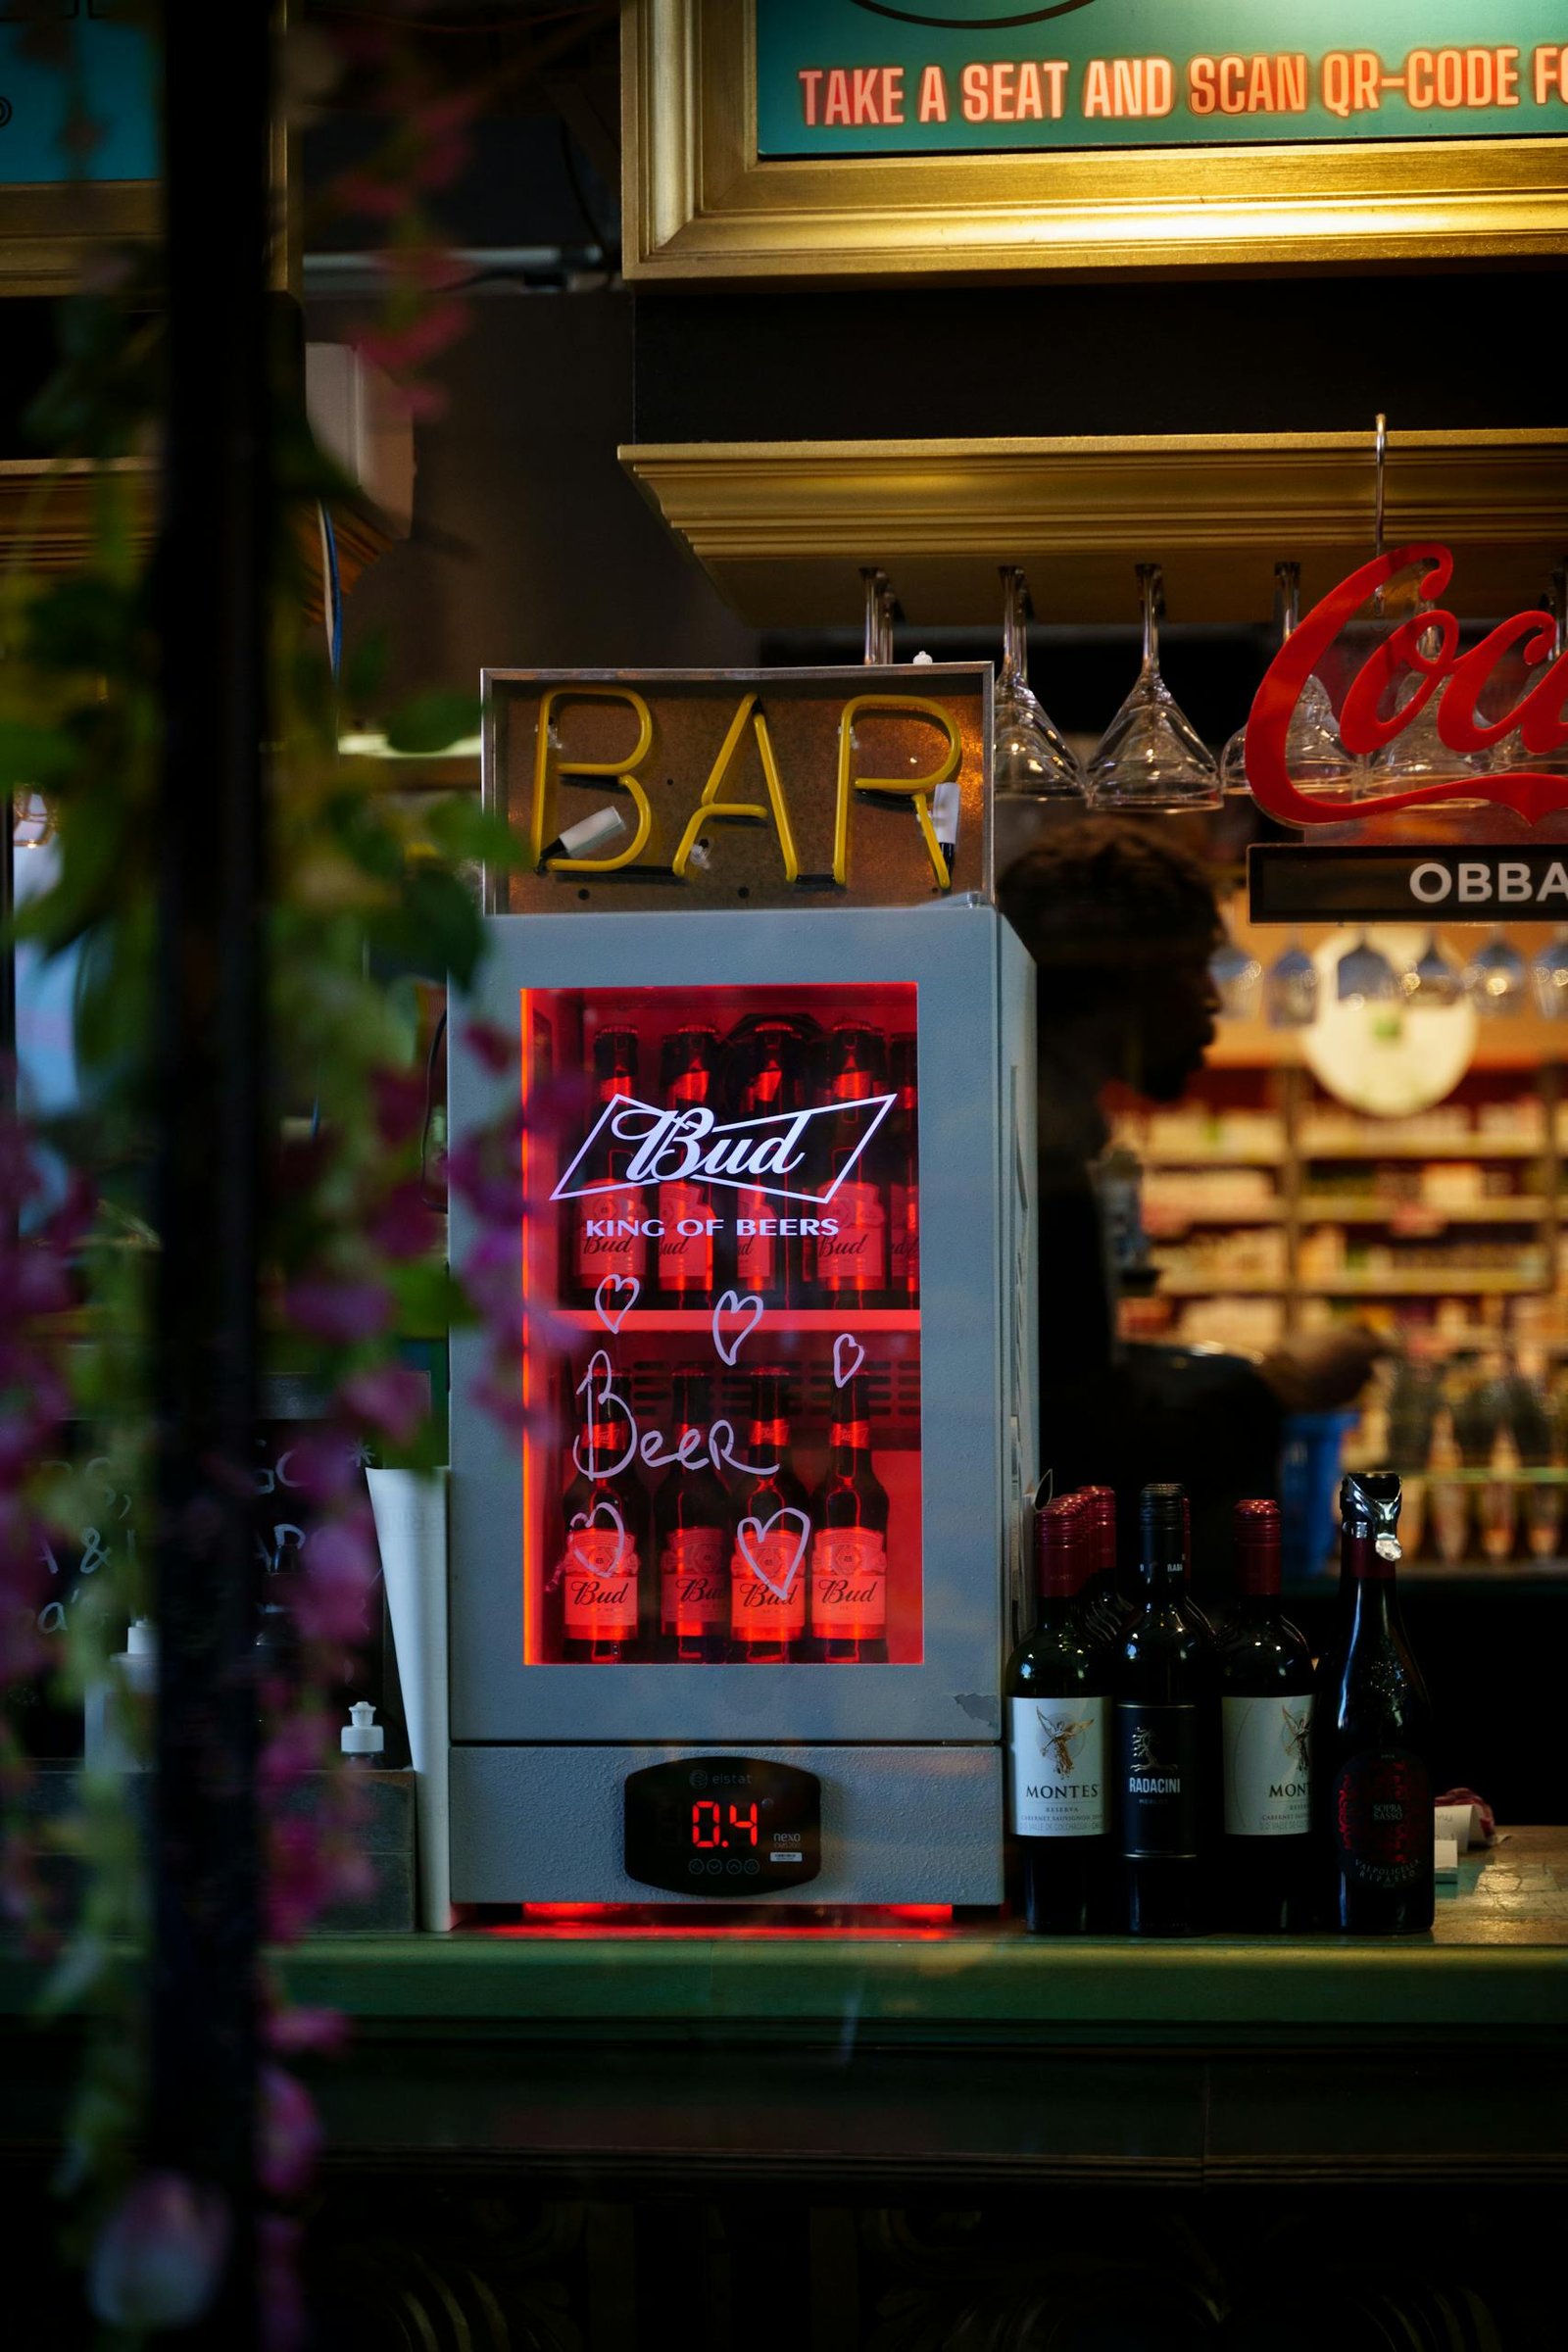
1150 758
1317 761
1030 757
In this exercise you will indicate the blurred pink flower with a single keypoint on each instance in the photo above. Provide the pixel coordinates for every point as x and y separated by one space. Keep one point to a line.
299 1745
340 1564
491 1045
393 1400
400 1098
160 2256
339 1311
293 2031
291 2133
284 2323
402 1224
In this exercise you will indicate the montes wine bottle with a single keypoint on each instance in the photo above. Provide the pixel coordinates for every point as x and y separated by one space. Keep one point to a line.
1372 1735
1165 1761
691 1531
850 1541
1059 1737
1267 1850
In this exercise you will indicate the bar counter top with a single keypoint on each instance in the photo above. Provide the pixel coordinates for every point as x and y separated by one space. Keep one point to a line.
918 2052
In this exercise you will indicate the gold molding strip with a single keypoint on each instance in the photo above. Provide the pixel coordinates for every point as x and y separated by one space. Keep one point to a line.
699 203
784 528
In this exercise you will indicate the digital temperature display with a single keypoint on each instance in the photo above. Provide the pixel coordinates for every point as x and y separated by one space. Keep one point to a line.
727 1827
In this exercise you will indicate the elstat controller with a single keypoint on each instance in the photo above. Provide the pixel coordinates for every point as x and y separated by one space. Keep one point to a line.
732 1827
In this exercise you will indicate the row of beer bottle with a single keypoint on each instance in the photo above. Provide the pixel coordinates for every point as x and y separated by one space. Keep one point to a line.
684 1241
747 1568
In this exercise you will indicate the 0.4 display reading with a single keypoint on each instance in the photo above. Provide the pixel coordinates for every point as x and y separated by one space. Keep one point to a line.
730 1828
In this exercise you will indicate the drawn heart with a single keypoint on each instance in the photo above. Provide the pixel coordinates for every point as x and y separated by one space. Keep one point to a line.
760 1528
749 1307
613 1317
583 1520
847 1357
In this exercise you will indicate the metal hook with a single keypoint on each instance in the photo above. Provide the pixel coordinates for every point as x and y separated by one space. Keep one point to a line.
1287 585
1381 446
875 583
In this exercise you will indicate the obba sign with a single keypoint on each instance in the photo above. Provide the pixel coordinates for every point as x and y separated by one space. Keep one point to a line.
1458 680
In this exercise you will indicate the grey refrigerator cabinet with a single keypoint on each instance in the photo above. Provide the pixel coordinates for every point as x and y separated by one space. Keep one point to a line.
765 1519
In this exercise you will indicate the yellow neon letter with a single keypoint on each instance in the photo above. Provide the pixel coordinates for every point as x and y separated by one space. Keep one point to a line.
708 808
920 788
546 773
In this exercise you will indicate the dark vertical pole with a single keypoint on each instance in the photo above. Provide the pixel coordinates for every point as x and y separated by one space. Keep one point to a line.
213 563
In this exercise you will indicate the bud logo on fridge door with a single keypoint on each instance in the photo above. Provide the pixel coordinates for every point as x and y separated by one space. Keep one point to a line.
787 1155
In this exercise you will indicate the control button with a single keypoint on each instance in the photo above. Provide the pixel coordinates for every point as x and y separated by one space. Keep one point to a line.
751 1869
715 1869
734 1869
696 1869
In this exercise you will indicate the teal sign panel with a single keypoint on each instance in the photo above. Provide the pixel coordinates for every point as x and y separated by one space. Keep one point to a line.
109 70
863 78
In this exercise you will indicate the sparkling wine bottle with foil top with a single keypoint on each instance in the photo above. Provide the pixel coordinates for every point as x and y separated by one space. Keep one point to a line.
850 1541
1372 1735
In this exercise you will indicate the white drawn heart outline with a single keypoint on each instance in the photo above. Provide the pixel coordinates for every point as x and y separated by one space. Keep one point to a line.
617 1282
788 1510
583 1520
842 1378
731 1302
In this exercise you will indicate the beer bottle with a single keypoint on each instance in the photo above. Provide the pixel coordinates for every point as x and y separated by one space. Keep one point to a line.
604 1544
850 1262
605 1235
904 1183
772 1535
690 1526
689 1079
850 1541
765 1057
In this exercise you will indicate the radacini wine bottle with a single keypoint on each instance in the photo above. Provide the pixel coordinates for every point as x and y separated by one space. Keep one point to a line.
1372 1735
1166 1767
1059 1737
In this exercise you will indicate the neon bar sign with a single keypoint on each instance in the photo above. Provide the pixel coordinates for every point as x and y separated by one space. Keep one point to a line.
1455 682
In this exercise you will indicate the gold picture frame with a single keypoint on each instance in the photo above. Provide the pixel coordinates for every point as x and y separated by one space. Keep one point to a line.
701 205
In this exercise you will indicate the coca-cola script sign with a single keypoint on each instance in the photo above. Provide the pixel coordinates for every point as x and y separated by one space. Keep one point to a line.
1456 682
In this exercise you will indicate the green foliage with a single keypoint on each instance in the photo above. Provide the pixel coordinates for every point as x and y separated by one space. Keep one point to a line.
432 722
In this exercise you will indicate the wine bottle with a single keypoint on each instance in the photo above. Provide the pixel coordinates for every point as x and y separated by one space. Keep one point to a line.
1165 1735
1107 1610
606 1528
1372 1735
1265 1680
690 1526
850 1541
772 1538
1059 1737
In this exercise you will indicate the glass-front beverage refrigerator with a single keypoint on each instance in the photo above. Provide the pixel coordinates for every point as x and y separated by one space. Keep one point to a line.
727 1618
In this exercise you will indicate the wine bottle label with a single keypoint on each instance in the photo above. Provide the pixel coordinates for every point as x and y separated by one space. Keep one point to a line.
754 1252
694 1583
1267 1767
685 1257
904 1230
855 1257
1157 1780
849 1584
767 1588
1061 1785
1381 1811
607 1238
600 1578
